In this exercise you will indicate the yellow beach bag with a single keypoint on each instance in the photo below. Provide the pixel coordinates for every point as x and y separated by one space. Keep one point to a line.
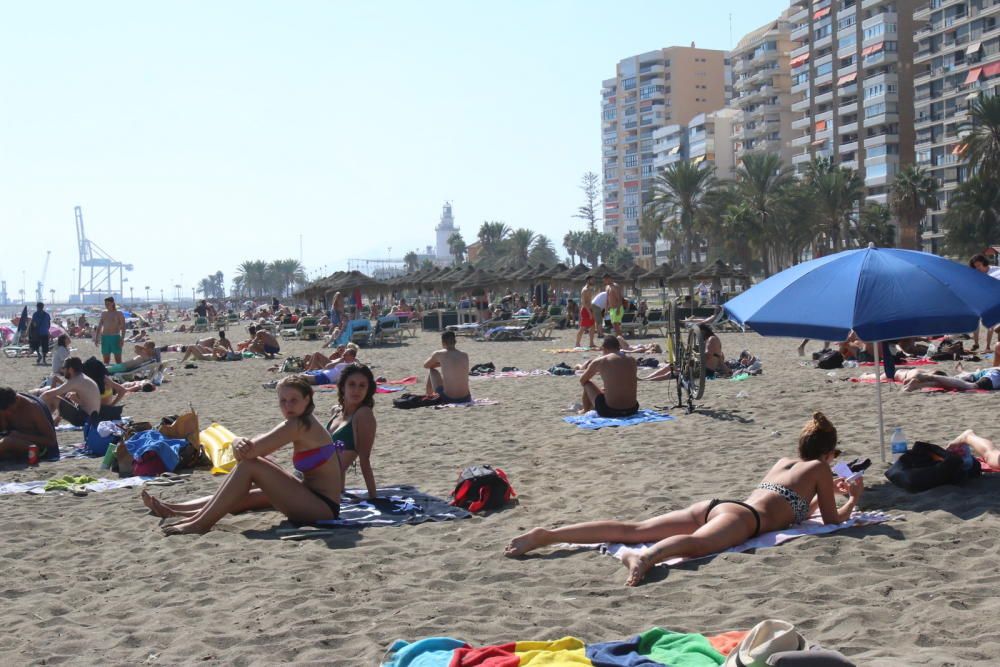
217 442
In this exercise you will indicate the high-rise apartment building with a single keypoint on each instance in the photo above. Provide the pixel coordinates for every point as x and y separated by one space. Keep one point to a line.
762 90
650 91
852 86
957 58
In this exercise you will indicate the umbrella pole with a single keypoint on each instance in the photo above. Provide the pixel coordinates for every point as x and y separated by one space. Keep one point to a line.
878 393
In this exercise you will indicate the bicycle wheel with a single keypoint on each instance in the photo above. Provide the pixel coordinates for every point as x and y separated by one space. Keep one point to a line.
694 362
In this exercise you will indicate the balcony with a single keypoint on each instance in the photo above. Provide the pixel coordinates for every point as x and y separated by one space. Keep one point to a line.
847 108
824 98
849 147
848 128
802 123
879 140
800 33
801 158
801 106
886 118
804 140
801 87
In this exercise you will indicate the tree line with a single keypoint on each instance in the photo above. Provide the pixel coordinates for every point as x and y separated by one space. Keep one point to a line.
257 278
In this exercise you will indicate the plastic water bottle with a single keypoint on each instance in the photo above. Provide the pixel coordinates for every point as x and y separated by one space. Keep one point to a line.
898 443
850 363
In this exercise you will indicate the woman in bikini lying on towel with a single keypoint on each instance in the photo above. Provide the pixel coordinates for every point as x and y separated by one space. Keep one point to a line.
320 458
790 492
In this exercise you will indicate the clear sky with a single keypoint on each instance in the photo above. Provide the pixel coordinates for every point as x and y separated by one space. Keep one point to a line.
196 135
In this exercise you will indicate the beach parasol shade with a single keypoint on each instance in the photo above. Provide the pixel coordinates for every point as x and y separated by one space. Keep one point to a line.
477 279
717 269
577 272
455 275
355 280
879 293
598 272
633 273
683 276
661 272
74 311
552 273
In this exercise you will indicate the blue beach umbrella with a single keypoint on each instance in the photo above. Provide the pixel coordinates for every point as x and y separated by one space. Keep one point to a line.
879 293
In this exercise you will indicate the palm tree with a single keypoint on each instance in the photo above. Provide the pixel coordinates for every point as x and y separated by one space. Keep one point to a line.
456 246
912 194
763 182
412 261
620 258
491 236
973 217
520 244
254 275
572 241
543 252
678 195
284 273
597 246
875 225
205 287
981 143
837 194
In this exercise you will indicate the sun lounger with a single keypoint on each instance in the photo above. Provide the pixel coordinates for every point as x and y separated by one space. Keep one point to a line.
388 329
14 351
632 324
656 322
361 331
200 325
309 328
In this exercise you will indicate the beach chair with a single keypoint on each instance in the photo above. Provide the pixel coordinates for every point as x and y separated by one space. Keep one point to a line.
656 322
388 330
541 330
15 351
361 331
309 328
289 331
200 325
632 325
409 324
558 315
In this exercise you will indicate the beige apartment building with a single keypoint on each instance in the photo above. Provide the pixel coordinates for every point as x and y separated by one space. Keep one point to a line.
650 91
852 86
762 90
957 58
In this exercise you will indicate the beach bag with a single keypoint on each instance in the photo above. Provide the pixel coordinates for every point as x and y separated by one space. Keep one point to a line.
763 641
185 427
830 360
409 401
927 466
482 487
95 443
292 365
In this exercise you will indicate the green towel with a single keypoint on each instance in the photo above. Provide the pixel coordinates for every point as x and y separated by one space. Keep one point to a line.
66 482
678 649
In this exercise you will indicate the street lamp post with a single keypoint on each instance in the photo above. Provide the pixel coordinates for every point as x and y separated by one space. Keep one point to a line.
131 293
147 293
161 296
192 296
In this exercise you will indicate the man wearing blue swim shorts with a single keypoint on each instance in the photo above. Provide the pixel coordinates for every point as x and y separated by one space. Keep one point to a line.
110 332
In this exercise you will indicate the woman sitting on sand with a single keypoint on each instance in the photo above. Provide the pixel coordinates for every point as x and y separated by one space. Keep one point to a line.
320 458
790 492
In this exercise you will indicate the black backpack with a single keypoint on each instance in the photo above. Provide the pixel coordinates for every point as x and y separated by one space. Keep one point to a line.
926 466
410 401
482 487
830 360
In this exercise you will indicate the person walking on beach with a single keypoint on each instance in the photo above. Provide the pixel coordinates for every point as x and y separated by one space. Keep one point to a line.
448 372
981 264
38 331
616 308
617 371
587 319
783 498
110 332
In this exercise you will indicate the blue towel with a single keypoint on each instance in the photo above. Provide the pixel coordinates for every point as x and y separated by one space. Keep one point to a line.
619 654
430 652
168 450
593 422
350 328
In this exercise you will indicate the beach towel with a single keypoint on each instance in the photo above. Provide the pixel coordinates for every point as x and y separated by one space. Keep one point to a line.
217 443
909 363
565 652
430 652
811 526
395 506
168 449
591 421
986 467
511 374
568 350
883 379
498 655
951 390
657 647
474 403
102 484
725 642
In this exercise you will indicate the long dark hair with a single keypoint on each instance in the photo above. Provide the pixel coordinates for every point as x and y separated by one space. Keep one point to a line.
818 437
301 385
352 369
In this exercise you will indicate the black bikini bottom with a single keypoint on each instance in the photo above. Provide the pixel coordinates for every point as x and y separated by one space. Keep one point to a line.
334 506
753 510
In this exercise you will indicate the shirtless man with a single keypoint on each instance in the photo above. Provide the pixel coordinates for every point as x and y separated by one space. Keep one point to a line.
981 264
85 390
448 372
25 421
617 371
110 332
263 343
587 319
616 308
330 373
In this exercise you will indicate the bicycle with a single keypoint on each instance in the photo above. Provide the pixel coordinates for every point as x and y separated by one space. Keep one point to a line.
689 360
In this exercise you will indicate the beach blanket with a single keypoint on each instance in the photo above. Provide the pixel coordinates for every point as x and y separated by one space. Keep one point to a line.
986 467
568 350
390 387
591 421
947 390
511 374
883 379
812 526
474 403
96 486
395 506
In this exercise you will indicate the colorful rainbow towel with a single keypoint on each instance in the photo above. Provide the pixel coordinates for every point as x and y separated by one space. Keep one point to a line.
591 421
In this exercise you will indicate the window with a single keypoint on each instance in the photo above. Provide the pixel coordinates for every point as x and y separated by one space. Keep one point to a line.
847 39
609 114
631 212
847 22
825 68
630 189
647 169
631 160
610 174
629 83
630 111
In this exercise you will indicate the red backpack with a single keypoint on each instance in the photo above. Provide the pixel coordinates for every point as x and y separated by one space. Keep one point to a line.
481 488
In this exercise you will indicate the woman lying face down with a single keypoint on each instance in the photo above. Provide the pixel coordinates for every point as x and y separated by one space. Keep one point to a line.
792 490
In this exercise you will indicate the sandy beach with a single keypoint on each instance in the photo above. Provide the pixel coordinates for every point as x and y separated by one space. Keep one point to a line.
93 580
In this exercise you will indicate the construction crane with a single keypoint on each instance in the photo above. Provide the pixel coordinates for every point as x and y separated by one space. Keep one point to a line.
39 286
104 269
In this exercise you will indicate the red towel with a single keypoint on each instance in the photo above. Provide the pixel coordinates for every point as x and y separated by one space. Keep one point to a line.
870 380
909 363
956 391
501 655
725 642
986 466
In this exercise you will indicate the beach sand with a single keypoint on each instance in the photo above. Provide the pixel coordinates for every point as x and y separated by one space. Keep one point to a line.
92 580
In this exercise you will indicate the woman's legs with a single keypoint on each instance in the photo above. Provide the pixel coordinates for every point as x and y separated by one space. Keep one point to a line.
287 494
678 522
255 500
722 531
663 373
983 447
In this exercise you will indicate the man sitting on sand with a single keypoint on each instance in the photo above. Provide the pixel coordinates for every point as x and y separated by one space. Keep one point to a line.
262 342
25 421
448 372
84 390
617 371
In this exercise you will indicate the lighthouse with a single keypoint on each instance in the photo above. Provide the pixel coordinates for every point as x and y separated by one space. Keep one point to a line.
444 230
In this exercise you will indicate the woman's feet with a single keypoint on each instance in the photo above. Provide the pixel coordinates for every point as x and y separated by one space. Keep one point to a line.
184 528
638 565
522 544
164 510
